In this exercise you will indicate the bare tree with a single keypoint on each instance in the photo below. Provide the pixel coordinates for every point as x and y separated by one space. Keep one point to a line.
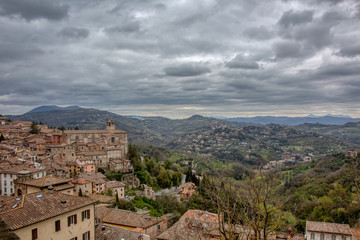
246 210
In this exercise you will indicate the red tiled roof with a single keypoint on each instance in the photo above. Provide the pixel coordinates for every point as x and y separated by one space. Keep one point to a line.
328 227
36 207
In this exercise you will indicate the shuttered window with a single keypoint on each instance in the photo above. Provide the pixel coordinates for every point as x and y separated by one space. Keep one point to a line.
57 225
34 234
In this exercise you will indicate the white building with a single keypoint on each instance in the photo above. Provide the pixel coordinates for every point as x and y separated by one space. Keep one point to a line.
8 176
327 231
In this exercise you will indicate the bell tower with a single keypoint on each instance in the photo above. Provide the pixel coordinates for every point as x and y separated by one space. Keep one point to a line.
110 125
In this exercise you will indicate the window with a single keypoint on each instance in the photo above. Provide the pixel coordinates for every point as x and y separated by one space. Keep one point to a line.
72 220
5 182
312 236
333 237
86 236
57 225
322 236
85 214
343 238
34 234
4 174
75 238
159 227
112 139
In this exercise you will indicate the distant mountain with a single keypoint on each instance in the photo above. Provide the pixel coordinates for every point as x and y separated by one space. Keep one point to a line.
293 121
52 108
141 130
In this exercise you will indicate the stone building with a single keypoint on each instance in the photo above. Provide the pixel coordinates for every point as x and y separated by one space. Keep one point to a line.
110 136
327 231
49 215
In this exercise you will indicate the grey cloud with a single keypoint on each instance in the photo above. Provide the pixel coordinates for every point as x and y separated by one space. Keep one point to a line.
314 35
11 52
350 51
186 70
76 33
259 33
187 43
35 9
290 49
240 61
291 18
127 28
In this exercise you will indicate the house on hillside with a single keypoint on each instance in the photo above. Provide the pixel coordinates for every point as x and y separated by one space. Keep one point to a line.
328 231
49 215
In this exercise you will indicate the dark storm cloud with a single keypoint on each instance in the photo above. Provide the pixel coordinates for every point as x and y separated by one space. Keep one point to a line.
240 61
12 52
166 56
186 70
290 49
34 9
350 51
292 18
76 33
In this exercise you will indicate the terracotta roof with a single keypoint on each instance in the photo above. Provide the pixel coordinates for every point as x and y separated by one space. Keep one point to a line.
21 168
46 181
130 219
328 227
101 198
114 184
200 215
105 232
94 153
197 224
355 233
32 208
79 181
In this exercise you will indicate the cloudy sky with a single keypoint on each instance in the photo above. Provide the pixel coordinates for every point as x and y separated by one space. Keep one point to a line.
183 57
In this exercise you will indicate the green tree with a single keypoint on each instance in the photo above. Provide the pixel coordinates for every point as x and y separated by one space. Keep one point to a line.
34 128
163 178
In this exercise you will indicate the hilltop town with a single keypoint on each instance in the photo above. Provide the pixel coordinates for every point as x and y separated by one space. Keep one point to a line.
92 184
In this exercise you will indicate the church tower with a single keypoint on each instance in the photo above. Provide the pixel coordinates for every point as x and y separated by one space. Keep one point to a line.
110 125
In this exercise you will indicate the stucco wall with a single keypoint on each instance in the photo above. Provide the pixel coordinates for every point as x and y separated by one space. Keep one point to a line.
46 229
327 236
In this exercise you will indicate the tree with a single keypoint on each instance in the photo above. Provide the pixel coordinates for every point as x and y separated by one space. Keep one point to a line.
260 208
117 198
251 204
34 128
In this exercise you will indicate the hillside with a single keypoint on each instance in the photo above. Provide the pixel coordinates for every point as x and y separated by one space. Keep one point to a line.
52 108
293 121
349 132
257 144
146 130
202 136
